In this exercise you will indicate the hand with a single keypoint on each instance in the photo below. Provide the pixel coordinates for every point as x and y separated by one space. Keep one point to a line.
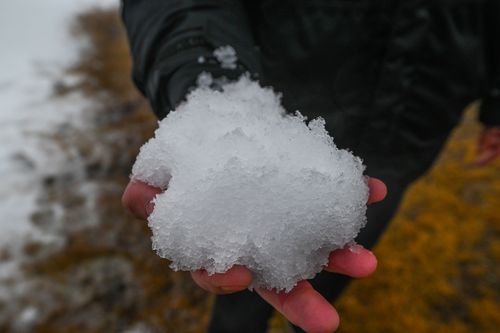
303 306
489 146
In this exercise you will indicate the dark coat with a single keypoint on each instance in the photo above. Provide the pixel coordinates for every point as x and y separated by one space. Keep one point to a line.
390 77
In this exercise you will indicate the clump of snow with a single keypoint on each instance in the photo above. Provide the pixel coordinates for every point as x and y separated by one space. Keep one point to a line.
204 80
249 184
226 55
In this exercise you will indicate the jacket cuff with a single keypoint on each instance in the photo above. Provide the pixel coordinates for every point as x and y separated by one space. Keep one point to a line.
489 113
166 91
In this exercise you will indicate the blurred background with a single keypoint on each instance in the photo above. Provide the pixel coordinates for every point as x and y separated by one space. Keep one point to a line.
72 260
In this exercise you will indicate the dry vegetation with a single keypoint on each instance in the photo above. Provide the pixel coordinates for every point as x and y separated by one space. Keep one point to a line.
105 278
439 260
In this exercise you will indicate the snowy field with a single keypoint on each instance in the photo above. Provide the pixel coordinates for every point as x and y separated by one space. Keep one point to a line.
36 48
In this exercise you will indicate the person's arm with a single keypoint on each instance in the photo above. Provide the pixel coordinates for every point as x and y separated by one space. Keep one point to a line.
168 37
489 142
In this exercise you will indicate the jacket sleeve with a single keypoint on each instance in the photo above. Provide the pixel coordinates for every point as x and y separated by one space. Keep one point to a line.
490 106
168 37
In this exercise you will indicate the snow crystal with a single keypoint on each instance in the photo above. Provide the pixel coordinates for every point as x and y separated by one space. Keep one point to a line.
249 184
226 55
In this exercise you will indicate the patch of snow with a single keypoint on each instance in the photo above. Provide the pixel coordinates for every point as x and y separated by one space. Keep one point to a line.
138 328
26 319
37 47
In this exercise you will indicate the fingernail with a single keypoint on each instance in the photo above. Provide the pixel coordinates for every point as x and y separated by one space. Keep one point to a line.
232 289
150 207
354 247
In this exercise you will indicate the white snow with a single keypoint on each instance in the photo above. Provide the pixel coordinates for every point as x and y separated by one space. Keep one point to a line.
204 80
36 47
250 185
26 319
226 55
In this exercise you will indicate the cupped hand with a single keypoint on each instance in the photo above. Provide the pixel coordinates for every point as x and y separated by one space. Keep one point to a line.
489 146
303 306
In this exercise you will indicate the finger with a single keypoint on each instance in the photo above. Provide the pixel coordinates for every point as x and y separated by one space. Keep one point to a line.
353 260
378 190
138 197
304 307
488 146
490 137
486 156
235 279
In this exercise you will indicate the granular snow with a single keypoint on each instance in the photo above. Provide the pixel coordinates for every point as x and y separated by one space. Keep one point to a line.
251 185
226 55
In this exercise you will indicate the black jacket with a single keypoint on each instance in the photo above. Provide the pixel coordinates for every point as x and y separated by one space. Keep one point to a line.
390 77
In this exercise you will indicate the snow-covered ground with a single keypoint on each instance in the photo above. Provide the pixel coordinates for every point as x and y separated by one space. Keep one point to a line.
36 47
